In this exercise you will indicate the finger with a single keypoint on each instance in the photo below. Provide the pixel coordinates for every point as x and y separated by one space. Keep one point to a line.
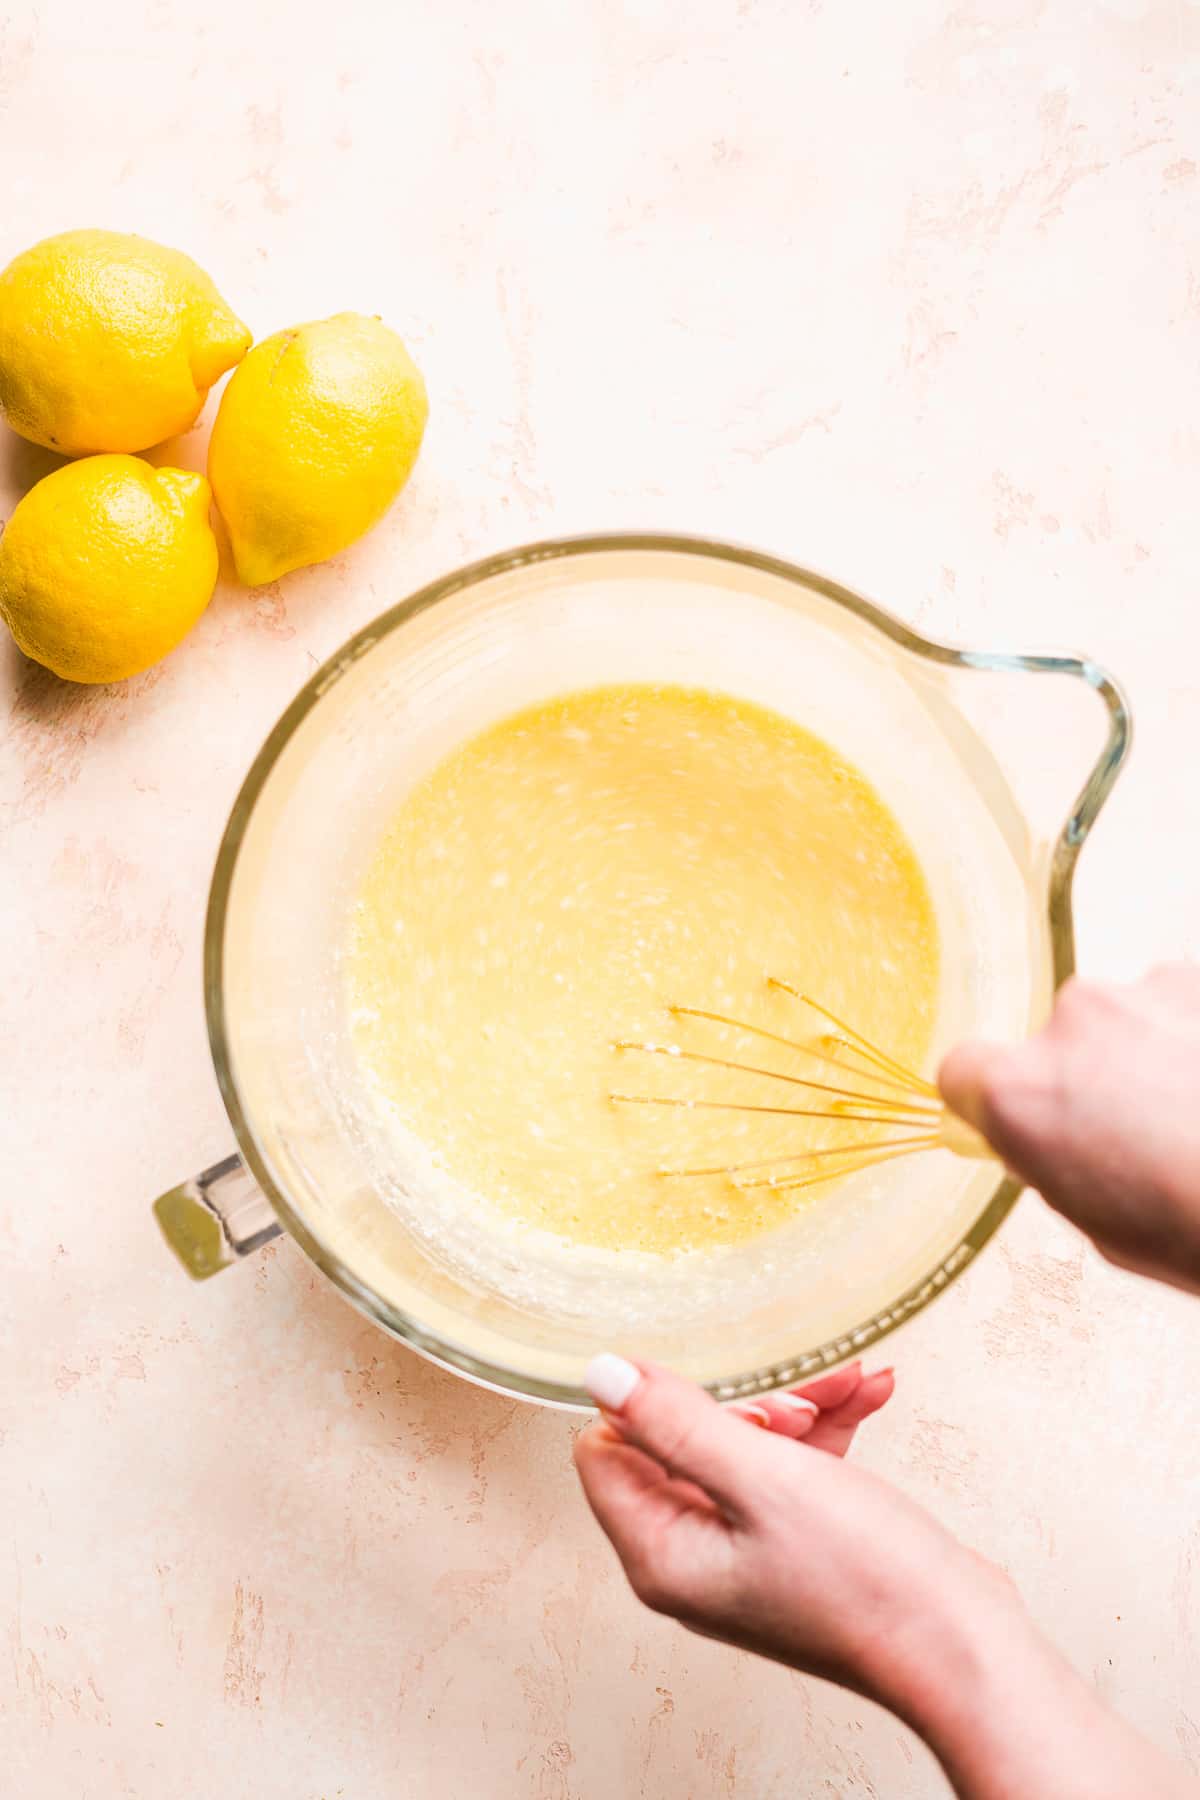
680 1426
619 1480
637 1504
622 1486
683 1493
788 1415
849 1398
876 1390
831 1390
1016 1097
605 1460
967 1079
834 1430
754 1411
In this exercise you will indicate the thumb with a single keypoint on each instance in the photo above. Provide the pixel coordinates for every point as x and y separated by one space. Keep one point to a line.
968 1078
1012 1095
680 1426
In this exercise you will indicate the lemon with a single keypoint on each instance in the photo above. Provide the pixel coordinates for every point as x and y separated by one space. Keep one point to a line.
315 436
105 565
109 342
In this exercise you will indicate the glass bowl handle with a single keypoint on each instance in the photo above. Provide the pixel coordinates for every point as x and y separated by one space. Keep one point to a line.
216 1218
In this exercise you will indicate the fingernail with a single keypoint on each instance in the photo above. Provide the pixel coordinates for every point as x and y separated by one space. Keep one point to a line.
610 1380
757 1415
798 1403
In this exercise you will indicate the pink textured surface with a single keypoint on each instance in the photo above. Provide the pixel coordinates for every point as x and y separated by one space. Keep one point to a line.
911 293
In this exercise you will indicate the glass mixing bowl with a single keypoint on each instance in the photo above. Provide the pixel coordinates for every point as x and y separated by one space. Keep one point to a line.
977 754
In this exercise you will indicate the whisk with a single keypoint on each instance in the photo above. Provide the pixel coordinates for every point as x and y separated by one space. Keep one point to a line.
882 1095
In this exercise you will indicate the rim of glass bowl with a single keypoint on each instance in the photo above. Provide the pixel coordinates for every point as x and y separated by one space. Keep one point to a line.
1060 920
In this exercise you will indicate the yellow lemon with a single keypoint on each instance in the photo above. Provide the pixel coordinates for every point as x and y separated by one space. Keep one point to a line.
109 342
315 435
105 565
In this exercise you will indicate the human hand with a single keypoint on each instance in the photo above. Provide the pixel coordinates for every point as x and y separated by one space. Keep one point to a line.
1101 1113
780 1547
765 1538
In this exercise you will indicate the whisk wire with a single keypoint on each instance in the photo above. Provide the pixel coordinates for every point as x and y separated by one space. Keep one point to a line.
779 1162
870 1050
677 1054
775 1037
867 1160
790 1112
908 1104
819 1050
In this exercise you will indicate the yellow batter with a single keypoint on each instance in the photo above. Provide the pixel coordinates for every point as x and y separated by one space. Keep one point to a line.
561 878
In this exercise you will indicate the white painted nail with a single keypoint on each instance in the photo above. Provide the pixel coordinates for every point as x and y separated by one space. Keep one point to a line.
610 1380
797 1402
757 1415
